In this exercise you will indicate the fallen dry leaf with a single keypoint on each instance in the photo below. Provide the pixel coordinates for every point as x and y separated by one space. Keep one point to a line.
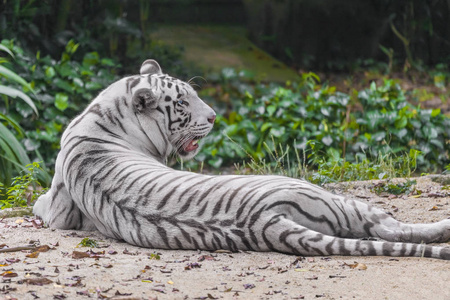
9 274
357 266
129 252
79 254
191 266
301 270
37 223
337 276
122 294
43 248
38 281
83 293
206 257
249 286
6 289
436 195
75 284
87 254
34 254
222 251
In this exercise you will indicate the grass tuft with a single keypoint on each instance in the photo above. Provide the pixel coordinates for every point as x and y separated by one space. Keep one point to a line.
279 162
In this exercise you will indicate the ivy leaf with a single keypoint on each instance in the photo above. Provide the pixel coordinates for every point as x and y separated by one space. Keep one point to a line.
327 140
78 82
325 111
91 59
271 109
266 126
401 123
435 112
437 143
64 85
61 101
50 72
252 138
430 132
93 85
231 130
401 133
66 70
277 132
216 162
379 136
107 62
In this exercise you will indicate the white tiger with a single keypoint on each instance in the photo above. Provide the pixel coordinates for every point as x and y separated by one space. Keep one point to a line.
110 175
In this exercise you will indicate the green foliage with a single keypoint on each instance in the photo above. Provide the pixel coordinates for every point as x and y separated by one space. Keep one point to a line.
87 242
394 189
63 87
23 190
324 124
389 123
13 157
154 256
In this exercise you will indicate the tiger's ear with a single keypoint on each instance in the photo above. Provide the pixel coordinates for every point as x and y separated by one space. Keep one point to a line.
144 99
150 67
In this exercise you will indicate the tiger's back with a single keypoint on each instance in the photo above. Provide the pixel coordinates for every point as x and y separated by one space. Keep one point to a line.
110 175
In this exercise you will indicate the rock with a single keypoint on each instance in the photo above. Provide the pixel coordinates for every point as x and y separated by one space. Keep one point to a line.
16 212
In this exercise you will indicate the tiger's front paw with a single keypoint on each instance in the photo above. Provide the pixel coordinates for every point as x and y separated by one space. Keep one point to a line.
41 208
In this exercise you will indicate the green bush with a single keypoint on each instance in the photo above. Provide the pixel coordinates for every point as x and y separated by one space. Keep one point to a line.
24 189
63 87
13 157
324 124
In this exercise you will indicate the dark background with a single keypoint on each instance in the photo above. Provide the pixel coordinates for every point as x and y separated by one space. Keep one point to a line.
321 34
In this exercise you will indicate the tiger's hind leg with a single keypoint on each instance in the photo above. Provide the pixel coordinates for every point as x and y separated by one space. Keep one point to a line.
57 209
367 221
284 235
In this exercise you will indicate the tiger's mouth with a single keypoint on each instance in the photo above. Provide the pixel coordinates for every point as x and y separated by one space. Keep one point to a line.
191 145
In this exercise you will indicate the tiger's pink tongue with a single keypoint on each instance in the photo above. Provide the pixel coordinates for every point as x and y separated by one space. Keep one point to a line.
191 146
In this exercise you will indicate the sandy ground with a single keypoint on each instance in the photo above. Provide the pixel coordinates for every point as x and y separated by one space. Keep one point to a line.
120 271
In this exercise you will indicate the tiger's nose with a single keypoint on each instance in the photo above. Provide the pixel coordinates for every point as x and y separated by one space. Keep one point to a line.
212 118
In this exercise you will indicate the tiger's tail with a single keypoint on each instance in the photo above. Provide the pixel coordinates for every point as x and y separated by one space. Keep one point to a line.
283 235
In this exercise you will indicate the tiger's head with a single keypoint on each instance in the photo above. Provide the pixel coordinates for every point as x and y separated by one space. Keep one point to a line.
170 109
